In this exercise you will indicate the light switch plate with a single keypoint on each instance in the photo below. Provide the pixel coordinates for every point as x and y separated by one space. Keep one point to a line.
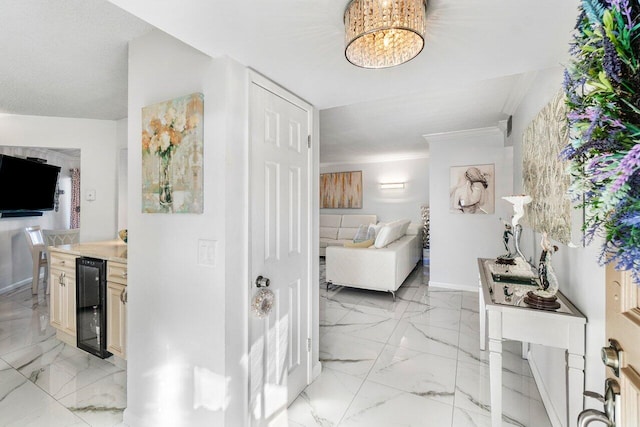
207 252
91 195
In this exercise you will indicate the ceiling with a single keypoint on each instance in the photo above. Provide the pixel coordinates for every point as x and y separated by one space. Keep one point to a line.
65 58
68 58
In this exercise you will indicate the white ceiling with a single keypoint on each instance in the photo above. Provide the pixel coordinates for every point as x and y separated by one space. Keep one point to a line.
68 58
65 58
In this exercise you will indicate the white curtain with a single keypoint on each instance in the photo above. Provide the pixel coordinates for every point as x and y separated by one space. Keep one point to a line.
75 198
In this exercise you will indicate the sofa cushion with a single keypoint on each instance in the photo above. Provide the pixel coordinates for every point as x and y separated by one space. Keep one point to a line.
414 228
329 232
404 227
329 220
354 221
347 233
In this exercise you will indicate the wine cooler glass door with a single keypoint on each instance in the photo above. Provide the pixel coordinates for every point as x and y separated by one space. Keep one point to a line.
90 306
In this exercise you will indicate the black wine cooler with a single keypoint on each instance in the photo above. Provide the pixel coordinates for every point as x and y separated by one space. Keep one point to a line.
91 313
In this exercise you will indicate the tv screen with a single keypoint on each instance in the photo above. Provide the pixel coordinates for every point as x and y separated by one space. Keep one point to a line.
26 185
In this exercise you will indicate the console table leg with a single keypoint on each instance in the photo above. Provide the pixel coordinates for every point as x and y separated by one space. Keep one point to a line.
483 320
495 378
575 387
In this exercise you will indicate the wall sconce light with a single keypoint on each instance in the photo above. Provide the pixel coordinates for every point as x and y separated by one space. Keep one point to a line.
391 185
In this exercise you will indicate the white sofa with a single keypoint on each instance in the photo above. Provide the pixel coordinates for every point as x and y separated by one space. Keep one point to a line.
336 230
383 269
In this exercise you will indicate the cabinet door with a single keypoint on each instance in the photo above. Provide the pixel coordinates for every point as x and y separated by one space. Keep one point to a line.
69 302
62 281
57 297
116 319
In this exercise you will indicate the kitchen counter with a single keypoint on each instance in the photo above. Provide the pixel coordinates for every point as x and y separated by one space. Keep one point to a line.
111 250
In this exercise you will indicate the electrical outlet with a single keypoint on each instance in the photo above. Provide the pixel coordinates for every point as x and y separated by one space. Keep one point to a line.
207 252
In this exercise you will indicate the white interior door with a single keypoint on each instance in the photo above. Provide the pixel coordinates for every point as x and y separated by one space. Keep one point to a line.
280 252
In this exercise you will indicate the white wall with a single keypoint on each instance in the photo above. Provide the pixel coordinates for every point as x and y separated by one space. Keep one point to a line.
582 280
96 140
458 240
178 309
393 204
122 128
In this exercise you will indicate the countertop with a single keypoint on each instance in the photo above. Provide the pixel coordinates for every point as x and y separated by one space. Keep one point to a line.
111 250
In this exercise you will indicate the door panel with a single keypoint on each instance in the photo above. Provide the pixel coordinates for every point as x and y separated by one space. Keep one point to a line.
623 325
279 251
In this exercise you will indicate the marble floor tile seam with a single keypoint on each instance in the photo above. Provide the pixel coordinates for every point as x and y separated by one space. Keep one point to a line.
346 410
364 380
58 398
400 391
350 335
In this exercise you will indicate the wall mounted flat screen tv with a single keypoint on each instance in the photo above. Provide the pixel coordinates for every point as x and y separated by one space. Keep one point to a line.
26 185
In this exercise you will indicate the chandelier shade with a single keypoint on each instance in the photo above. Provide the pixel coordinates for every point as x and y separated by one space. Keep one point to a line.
384 33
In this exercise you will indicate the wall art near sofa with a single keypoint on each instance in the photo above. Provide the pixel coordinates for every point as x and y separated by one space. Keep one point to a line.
341 190
543 172
172 155
472 189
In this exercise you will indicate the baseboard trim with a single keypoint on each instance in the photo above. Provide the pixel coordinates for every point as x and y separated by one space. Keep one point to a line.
15 286
316 371
544 393
454 286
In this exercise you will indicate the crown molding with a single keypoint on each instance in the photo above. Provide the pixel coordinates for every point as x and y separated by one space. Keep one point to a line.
448 136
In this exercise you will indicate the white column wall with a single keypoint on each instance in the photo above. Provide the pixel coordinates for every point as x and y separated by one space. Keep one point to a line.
176 311
458 240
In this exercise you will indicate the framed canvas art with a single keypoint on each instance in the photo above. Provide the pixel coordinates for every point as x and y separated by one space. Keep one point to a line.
172 149
472 189
341 190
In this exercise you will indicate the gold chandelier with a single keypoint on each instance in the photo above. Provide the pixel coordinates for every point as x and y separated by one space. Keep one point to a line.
384 33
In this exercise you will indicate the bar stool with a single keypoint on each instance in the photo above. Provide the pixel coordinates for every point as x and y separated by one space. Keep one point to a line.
37 247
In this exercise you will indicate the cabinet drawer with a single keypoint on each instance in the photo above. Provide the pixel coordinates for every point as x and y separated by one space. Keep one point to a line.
64 262
117 272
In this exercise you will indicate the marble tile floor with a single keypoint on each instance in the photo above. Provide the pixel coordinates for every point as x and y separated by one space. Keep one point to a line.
46 383
413 362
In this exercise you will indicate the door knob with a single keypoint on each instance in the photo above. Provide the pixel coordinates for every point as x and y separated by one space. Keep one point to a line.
611 400
262 282
611 356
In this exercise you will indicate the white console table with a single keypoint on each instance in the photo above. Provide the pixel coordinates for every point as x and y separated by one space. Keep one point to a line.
515 320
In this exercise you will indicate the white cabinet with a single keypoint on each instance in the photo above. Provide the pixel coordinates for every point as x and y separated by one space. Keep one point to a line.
117 308
62 280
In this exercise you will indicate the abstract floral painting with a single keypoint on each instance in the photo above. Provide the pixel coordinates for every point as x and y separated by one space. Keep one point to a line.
472 189
172 155
341 190
543 172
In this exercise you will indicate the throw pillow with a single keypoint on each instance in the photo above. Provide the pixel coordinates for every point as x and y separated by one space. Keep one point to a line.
363 244
374 229
391 232
361 234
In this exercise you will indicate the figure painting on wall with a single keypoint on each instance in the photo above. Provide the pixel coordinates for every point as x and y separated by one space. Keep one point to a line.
472 189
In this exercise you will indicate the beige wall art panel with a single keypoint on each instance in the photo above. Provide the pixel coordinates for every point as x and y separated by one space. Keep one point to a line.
341 190
544 174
